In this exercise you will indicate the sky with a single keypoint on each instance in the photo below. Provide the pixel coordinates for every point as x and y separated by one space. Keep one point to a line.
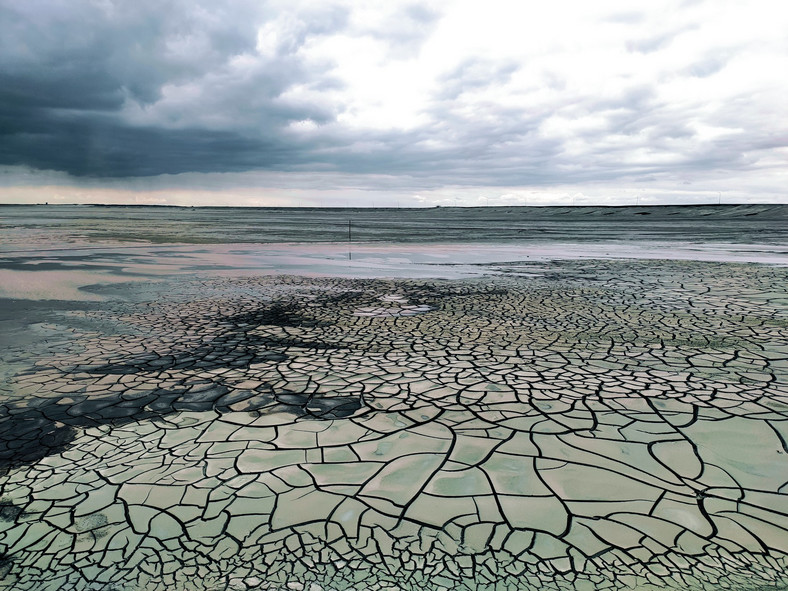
369 103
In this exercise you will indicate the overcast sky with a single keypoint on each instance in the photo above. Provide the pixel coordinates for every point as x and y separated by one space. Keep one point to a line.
393 103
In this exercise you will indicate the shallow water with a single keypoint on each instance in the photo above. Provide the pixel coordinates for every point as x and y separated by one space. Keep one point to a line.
68 225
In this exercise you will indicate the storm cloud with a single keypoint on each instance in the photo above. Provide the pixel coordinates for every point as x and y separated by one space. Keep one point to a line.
446 93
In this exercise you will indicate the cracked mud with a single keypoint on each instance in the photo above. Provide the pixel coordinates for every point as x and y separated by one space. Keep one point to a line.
572 425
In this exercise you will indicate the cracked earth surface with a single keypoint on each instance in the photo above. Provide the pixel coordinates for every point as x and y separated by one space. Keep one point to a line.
573 425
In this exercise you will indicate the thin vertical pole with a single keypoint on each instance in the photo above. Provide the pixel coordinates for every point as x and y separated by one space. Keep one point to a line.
349 239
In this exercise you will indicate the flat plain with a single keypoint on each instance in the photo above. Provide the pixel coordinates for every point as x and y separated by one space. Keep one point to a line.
491 399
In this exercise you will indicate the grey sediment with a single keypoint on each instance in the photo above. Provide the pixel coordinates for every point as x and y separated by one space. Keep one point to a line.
566 424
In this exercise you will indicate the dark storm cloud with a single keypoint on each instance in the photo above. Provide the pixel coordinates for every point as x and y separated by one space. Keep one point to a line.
99 147
70 68
110 49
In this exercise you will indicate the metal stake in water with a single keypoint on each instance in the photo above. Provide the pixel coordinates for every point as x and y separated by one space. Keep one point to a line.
349 238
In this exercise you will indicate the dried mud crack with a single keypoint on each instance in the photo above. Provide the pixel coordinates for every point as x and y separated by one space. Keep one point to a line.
604 425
